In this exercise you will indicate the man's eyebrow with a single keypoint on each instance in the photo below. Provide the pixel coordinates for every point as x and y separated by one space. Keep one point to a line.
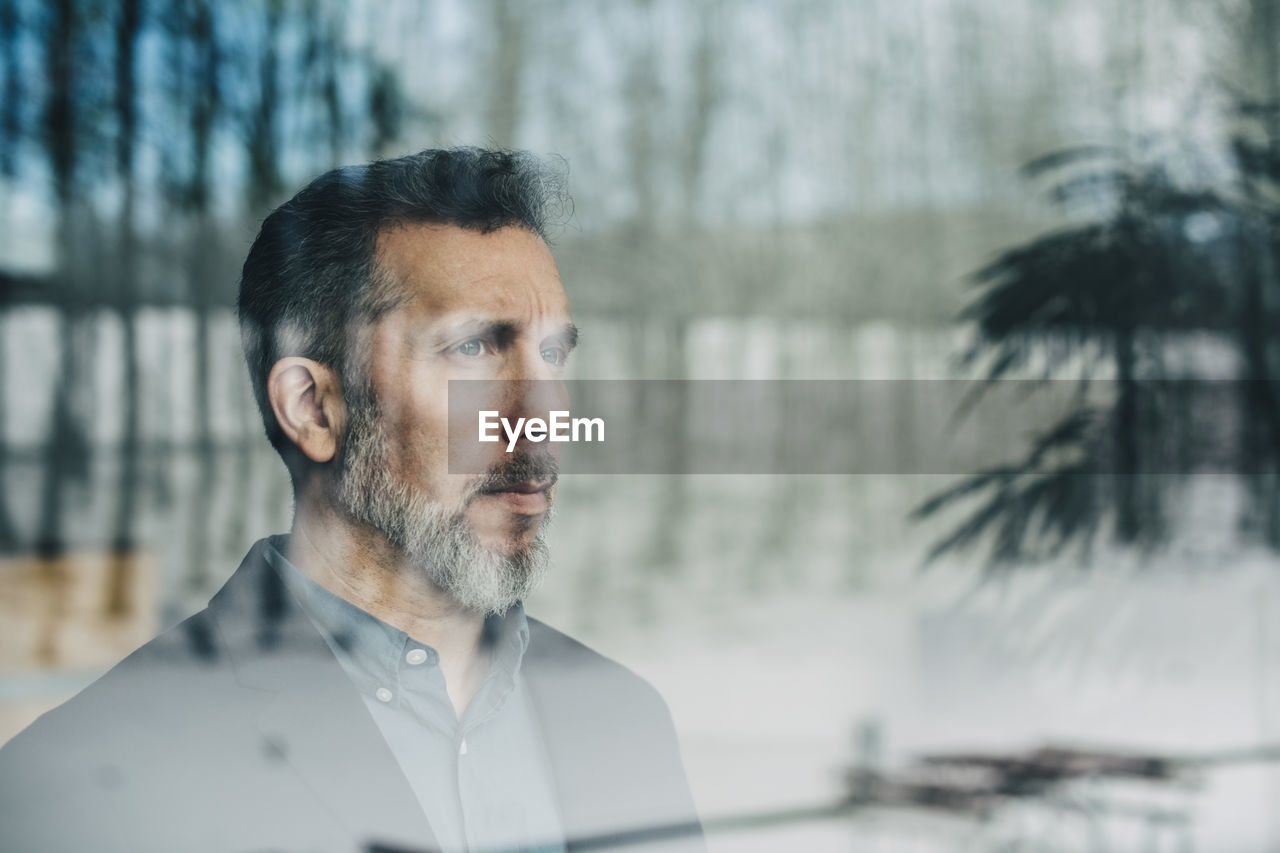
501 331
569 334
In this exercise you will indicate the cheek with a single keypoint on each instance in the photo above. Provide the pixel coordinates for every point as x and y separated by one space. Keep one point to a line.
422 446
417 438
414 402
413 397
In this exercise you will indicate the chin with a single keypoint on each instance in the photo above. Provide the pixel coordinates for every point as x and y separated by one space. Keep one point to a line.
514 545
505 532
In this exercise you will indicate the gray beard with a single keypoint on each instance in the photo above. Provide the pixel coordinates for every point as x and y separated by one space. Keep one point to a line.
435 540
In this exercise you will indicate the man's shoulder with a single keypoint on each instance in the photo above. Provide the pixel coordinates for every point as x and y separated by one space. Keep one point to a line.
554 649
181 666
560 665
552 643
124 746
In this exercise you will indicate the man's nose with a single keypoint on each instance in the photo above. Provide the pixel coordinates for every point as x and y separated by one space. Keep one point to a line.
533 397
526 363
533 387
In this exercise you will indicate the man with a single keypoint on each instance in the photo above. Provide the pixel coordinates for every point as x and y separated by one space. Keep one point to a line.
370 681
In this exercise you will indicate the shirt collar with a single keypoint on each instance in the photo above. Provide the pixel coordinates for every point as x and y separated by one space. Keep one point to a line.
371 650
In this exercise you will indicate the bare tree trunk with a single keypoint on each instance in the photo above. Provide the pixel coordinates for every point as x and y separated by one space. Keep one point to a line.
10 129
8 531
1260 274
264 125
63 447
202 496
11 29
202 251
123 545
642 95
508 65
336 123
706 98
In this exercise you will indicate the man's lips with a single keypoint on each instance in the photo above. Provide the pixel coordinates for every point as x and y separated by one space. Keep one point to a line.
527 497
528 487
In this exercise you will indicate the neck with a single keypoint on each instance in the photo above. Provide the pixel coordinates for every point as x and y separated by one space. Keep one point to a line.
359 565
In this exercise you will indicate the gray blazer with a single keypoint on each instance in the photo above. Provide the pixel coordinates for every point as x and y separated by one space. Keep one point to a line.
237 730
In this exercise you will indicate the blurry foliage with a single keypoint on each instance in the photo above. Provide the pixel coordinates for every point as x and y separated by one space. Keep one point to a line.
1157 256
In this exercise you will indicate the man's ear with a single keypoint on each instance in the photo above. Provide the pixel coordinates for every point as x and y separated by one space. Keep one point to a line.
306 397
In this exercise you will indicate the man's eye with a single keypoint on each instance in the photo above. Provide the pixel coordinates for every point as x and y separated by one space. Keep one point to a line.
470 348
554 355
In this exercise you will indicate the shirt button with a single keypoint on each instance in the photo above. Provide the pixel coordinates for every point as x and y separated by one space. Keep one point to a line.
383 694
416 656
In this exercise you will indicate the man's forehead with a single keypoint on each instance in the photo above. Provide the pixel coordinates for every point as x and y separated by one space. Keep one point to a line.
445 269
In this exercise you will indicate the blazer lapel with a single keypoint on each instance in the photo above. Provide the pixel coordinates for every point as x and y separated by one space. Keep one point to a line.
313 718
611 747
589 769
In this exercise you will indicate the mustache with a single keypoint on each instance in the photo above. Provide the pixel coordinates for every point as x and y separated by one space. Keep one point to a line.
528 466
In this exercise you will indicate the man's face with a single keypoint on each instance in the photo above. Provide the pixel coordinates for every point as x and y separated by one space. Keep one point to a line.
479 306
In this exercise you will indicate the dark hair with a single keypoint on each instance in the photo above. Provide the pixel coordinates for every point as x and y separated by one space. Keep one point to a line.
312 271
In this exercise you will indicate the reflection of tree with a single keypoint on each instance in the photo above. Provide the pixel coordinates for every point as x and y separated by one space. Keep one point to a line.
1159 256
148 125
128 30
193 191
1259 272
9 120
65 132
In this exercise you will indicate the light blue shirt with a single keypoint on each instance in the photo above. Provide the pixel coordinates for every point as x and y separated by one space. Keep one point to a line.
482 781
